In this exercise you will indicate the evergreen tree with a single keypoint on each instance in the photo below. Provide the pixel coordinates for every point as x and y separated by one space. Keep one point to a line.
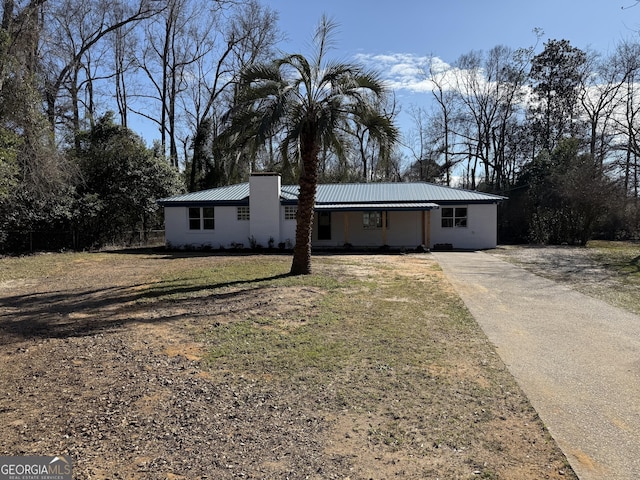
121 181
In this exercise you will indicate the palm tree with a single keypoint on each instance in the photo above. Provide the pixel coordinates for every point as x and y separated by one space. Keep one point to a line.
312 103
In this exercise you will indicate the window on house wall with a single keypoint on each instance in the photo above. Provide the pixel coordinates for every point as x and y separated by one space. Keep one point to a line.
243 213
208 220
290 212
454 217
201 218
194 218
373 220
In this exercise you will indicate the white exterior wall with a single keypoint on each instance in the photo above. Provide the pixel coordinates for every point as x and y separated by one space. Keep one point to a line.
287 231
228 229
404 230
480 233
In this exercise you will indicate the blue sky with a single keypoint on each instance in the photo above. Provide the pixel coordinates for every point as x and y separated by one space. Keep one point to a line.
449 28
407 31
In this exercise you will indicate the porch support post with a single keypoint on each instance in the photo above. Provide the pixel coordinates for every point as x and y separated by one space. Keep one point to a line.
424 229
346 226
428 229
384 227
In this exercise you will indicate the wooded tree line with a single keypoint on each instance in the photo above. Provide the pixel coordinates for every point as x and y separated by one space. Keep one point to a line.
552 127
555 131
72 75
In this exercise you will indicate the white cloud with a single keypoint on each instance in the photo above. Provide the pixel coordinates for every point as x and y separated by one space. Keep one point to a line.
406 71
402 71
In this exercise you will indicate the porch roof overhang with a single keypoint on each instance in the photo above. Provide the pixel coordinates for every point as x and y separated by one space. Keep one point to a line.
368 207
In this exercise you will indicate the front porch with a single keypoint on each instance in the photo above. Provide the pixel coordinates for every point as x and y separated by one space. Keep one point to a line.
372 228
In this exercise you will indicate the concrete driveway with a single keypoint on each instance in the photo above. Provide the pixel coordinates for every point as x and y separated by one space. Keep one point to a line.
576 358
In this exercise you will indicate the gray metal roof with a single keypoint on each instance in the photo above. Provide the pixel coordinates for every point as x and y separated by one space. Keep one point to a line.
359 207
232 194
397 192
370 194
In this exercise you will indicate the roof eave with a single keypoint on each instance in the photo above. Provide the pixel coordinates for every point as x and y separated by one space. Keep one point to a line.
470 202
389 206
203 203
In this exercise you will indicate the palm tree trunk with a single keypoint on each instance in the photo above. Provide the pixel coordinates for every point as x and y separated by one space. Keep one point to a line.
301 264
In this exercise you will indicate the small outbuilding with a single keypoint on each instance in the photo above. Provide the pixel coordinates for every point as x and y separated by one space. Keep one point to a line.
362 215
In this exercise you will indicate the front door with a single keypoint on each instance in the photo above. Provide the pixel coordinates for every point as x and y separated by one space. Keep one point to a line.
324 225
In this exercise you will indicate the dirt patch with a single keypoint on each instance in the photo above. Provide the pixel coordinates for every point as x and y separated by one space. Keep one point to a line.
120 387
561 263
90 368
586 270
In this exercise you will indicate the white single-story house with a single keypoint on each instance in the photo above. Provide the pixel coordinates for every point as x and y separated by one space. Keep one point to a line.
363 215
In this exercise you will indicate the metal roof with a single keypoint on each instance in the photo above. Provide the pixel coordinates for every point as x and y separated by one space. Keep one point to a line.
397 192
377 206
340 195
232 194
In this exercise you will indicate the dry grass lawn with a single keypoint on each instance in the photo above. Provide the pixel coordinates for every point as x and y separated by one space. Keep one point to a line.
154 365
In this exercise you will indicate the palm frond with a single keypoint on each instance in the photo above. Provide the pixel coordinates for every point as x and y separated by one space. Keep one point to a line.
268 72
299 96
379 125
372 82
324 39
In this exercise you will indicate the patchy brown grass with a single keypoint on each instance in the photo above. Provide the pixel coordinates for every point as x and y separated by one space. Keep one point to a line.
185 366
606 270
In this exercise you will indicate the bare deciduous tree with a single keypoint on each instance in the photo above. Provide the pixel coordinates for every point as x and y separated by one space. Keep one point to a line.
248 37
445 116
600 97
76 27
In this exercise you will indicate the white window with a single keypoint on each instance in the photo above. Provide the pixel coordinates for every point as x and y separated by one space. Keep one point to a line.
373 220
243 213
290 212
201 218
454 217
